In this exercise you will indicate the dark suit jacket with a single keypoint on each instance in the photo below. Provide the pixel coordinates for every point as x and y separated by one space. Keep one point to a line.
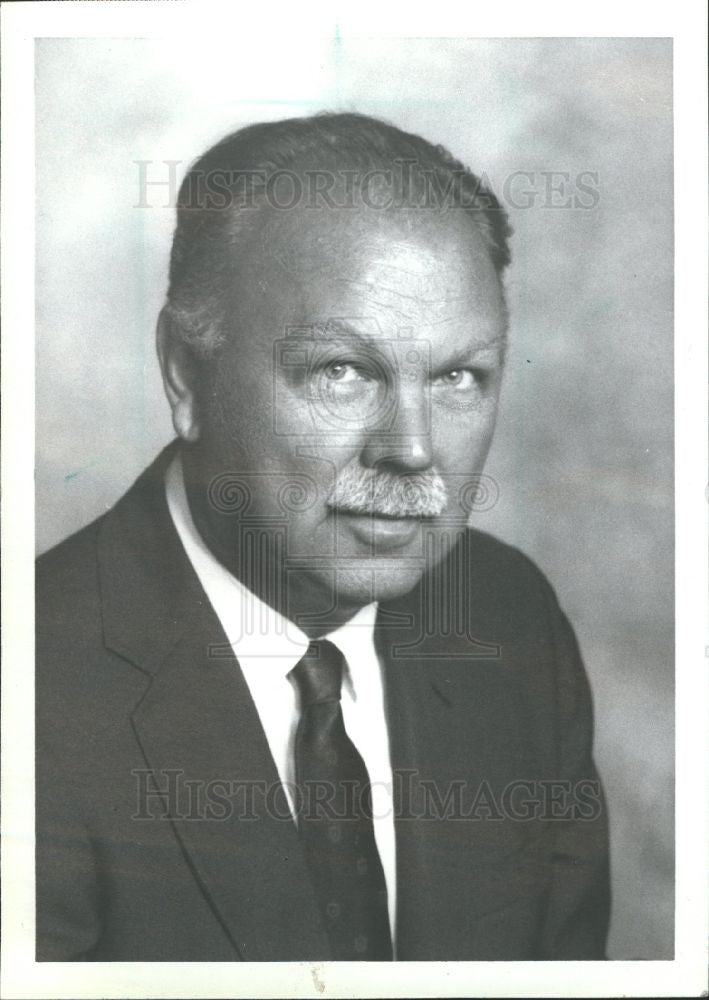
484 686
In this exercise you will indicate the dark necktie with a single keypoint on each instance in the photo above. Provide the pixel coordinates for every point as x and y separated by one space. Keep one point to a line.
335 814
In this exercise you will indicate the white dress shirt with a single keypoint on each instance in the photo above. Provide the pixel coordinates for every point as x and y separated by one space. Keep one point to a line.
268 646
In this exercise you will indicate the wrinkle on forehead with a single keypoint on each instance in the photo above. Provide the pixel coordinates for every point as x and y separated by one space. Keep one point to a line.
422 272
433 286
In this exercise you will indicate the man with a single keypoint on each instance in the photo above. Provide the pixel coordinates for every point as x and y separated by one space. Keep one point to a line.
290 706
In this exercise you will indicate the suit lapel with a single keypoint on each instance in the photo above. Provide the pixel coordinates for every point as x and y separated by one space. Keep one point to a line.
420 715
446 694
197 727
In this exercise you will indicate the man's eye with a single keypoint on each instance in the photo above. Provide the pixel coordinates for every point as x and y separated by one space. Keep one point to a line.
457 378
344 371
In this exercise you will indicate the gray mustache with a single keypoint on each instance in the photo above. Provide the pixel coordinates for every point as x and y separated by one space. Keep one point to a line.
382 493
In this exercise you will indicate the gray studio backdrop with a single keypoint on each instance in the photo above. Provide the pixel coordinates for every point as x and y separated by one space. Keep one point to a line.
576 136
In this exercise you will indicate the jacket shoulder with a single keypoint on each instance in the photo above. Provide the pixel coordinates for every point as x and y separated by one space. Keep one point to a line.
67 576
503 560
67 581
503 584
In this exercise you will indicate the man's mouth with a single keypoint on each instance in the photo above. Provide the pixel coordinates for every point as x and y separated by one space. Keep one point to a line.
383 531
380 515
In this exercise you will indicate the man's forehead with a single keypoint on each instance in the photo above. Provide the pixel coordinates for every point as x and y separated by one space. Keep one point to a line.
392 271
414 242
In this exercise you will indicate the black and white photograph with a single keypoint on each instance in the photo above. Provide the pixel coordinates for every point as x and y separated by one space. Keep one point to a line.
362 594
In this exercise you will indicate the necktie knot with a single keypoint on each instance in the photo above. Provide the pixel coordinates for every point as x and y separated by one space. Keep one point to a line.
318 673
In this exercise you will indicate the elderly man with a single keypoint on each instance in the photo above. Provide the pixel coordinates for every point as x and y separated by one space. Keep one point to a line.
290 705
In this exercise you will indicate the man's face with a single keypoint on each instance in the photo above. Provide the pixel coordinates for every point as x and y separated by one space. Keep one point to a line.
354 402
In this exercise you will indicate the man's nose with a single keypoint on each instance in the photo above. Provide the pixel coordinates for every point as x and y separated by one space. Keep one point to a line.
402 438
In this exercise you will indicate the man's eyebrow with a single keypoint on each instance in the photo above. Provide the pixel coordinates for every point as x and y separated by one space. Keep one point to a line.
498 343
352 328
338 327
467 355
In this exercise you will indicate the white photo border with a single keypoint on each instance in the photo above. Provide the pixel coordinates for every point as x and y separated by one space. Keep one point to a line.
686 975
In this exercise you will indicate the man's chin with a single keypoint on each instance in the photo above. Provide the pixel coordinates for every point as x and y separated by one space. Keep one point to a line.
377 580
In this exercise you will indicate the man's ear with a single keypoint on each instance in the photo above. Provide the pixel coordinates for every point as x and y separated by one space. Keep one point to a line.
179 376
